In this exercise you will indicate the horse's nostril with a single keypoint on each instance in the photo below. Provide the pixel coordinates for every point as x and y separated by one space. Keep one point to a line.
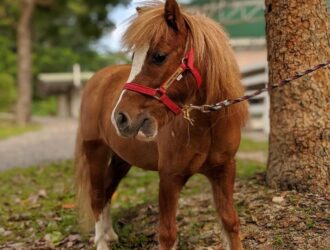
122 121
145 122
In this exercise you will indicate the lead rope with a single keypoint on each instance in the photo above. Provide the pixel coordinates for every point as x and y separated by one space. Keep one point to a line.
207 108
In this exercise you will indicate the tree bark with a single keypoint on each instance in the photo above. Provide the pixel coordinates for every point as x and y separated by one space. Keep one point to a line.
298 38
24 75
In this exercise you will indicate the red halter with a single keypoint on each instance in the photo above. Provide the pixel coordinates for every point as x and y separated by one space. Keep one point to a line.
161 92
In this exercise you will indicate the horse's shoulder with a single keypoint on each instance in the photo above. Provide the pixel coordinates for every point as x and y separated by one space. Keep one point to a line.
92 99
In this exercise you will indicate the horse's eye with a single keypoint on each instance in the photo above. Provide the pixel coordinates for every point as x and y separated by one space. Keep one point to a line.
158 58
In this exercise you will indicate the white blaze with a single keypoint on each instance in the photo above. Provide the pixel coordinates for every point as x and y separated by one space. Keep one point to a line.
138 61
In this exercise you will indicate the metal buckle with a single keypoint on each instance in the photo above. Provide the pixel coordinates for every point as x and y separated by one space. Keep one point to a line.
159 94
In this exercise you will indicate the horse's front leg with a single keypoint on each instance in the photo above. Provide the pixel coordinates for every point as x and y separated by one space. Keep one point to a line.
169 191
222 179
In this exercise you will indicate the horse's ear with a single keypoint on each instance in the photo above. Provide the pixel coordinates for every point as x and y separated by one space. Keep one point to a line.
139 10
173 15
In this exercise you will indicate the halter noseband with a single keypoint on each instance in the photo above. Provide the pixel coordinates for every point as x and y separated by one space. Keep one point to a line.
160 93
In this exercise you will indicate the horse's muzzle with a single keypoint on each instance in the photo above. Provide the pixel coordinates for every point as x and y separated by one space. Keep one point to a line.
144 127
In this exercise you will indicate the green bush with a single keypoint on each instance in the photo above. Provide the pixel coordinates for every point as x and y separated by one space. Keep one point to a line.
45 107
7 92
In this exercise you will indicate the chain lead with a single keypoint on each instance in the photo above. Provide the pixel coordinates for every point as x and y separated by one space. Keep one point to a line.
206 108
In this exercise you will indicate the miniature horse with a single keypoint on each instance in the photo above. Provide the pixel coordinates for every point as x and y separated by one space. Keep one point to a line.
131 115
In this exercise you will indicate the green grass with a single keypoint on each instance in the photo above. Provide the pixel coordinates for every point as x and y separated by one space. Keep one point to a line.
249 145
37 201
33 200
9 129
278 240
247 169
22 206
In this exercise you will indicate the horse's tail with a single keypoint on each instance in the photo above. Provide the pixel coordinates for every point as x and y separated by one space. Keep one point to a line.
83 186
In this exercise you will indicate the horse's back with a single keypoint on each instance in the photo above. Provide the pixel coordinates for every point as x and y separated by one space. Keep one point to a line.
108 77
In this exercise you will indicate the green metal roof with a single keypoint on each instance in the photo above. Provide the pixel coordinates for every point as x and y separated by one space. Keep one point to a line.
240 18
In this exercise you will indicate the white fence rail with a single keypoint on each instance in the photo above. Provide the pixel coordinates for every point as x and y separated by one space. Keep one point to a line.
256 77
253 77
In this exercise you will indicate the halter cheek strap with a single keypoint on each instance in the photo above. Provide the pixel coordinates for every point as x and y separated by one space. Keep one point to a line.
161 92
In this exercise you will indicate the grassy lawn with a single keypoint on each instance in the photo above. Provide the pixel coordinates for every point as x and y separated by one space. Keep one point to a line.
37 211
249 145
8 129
38 201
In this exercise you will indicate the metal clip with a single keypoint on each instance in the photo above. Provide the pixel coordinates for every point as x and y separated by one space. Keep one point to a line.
186 114
205 109
226 103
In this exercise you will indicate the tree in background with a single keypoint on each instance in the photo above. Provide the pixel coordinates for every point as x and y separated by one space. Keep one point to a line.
59 32
24 74
298 38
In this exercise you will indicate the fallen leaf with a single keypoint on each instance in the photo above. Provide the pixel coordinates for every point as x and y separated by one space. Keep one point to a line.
278 199
42 193
53 237
68 206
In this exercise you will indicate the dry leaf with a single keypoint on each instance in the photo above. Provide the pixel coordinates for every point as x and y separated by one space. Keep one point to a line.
68 206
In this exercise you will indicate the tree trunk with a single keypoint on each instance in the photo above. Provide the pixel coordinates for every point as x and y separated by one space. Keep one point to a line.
24 41
298 38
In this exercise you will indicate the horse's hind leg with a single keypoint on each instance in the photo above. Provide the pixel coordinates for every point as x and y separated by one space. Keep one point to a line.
104 181
222 179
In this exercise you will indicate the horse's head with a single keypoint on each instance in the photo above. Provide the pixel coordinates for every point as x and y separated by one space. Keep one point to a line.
159 42
172 49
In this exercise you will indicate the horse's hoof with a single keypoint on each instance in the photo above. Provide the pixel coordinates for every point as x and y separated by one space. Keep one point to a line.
102 245
111 236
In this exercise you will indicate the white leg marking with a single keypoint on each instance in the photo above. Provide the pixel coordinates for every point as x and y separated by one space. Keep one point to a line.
175 246
104 231
224 237
139 58
110 234
100 240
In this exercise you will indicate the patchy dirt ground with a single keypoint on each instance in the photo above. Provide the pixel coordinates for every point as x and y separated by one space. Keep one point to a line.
269 219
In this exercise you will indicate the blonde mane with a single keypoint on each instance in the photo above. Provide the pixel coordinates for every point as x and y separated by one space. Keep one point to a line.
214 55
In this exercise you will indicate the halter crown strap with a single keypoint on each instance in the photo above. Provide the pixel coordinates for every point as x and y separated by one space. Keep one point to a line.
161 93
190 56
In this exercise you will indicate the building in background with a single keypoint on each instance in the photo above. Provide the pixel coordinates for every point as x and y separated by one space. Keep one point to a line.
244 20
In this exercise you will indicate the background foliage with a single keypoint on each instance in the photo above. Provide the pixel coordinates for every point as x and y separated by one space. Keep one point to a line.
64 32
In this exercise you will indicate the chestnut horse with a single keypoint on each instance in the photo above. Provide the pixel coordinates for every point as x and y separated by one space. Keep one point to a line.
131 115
